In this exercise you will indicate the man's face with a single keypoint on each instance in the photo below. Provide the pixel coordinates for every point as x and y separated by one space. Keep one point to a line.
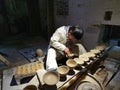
71 37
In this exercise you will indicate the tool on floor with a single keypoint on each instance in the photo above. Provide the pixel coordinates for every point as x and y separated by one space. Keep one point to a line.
4 60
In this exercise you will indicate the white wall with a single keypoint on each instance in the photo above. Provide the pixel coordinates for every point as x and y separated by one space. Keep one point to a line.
86 13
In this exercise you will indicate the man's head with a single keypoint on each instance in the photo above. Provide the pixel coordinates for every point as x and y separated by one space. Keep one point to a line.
75 33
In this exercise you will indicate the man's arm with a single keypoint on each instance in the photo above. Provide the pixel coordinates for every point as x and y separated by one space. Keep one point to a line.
57 40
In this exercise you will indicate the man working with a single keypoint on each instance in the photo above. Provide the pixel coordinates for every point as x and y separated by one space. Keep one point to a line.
60 41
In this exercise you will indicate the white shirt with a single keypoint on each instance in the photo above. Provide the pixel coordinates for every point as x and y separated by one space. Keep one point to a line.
59 38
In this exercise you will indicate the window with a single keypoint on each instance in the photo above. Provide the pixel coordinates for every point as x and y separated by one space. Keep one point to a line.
108 15
111 33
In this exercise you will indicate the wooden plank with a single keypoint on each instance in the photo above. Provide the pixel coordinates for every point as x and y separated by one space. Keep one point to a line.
4 60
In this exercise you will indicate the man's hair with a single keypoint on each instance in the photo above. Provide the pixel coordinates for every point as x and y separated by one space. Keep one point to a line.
76 32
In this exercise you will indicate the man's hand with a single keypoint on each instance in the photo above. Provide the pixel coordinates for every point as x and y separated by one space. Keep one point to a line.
67 50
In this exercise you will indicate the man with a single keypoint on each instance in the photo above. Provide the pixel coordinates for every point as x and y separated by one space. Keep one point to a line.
61 43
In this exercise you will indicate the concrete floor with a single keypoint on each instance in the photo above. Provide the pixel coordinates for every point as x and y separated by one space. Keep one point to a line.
13 48
114 84
112 67
114 55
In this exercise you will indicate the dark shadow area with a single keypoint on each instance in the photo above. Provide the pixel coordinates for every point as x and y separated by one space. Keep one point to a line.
22 81
49 87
